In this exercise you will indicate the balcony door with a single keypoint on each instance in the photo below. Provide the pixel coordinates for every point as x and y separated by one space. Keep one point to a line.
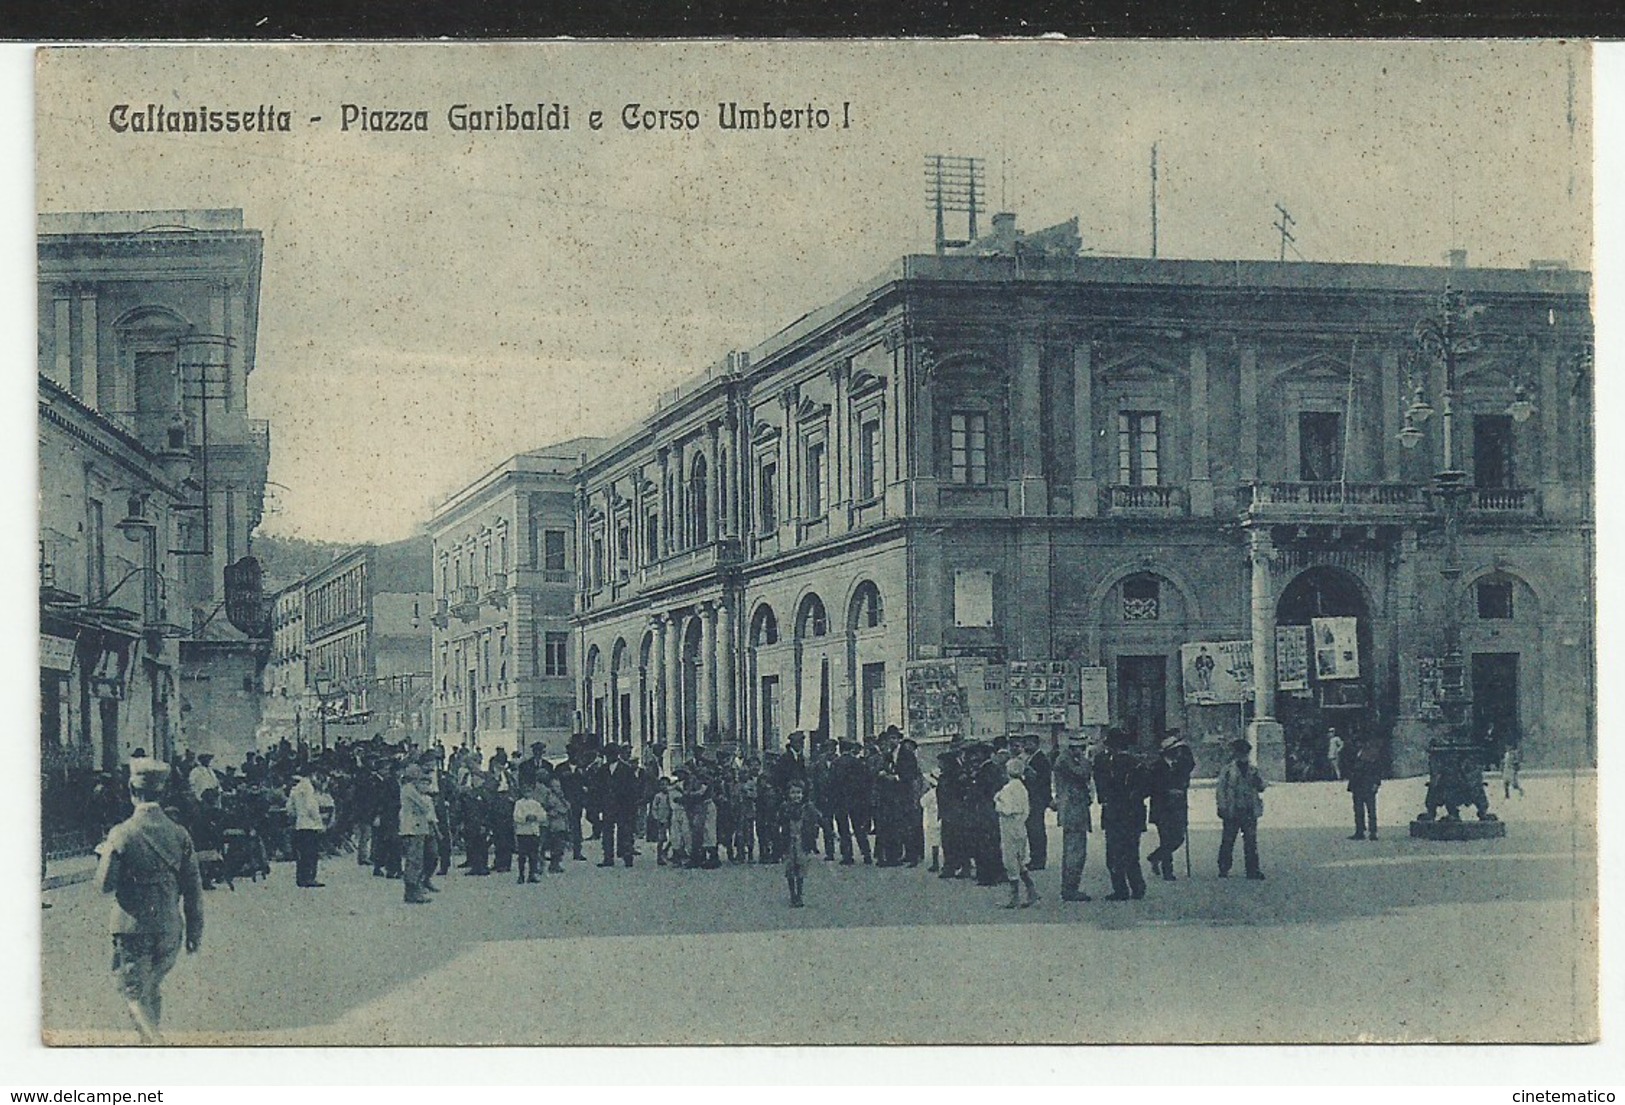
1492 452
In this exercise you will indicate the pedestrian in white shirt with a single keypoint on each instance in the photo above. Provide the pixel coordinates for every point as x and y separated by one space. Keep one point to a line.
1012 807
528 816
202 777
305 807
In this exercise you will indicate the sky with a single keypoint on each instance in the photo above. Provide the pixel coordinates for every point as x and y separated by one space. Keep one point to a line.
433 303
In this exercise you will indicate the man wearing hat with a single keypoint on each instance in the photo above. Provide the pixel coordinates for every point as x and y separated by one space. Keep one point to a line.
1170 784
305 807
202 778
418 826
1122 783
1239 793
149 865
1072 799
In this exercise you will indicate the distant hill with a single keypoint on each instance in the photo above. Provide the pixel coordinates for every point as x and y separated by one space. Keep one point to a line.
286 560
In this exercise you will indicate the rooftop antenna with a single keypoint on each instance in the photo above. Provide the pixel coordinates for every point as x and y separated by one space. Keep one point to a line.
1153 200
955 184
1285 224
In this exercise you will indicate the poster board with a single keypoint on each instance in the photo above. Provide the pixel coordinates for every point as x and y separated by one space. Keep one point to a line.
1292 657
1039 691
1217 672
1094 697
1337 648
934 701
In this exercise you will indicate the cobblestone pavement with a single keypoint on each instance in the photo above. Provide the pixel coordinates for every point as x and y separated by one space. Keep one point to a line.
1347 940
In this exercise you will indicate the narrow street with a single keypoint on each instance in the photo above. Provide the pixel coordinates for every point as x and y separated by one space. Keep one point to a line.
1397 940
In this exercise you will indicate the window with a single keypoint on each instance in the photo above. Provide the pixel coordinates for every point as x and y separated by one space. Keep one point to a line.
815 481
502 655
1320 447
767 500
1141 599
1495 599
502 716
623 543
502 554
485 661
651 535
698 513
488 561
557 655
967 446
553 548
1492 451
1139 448
770 711
869 461
598 561
723 522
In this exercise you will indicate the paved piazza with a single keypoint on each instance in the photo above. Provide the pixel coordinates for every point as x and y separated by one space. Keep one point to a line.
1397 940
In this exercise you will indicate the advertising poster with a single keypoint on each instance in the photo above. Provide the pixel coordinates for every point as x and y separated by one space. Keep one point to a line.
1217 672
1292 657
1337 649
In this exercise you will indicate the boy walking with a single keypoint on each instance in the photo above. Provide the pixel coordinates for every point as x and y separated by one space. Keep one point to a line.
798 816
1013 807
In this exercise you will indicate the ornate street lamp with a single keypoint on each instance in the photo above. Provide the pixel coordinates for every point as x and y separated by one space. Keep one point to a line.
1455 774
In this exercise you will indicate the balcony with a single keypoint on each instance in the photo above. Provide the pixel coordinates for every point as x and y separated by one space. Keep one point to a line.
689 562
973 498
1365 502
467 606
1509 503
496 591
1123 501
440 618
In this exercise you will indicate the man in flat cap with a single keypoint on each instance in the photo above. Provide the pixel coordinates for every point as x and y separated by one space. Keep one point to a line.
150 867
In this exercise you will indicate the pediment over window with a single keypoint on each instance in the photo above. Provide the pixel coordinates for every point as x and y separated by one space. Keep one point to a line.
764 433
807 410
865 383
1317 367
1137 364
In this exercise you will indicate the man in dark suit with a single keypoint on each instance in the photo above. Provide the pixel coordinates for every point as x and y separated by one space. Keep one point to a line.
573 783
850 786
1170 813
1040 793
1121 782
149 865
622 792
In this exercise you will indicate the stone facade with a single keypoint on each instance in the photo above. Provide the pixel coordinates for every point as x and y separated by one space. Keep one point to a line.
147 340
504 561
1143 454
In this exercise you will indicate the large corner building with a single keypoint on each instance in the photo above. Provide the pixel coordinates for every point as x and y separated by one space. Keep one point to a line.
1016 451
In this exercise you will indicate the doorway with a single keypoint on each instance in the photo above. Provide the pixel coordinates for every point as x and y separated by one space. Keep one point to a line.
1307 716
1495 703
1142 696
874 701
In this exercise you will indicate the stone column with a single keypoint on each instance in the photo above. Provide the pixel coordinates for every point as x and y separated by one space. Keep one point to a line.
1269 742
1247 461
62 335
713 486
674 682
725 654
655 708
1545 392
1393 402
705 673
922 428
1085 489
89 374
1027 422
667 515
1201 490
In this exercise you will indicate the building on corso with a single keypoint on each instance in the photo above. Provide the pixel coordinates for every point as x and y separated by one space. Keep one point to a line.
367 645
1017 452
286 681
504 562
152 480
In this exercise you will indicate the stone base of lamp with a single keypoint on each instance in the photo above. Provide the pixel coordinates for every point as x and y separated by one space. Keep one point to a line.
1461 829
1268 739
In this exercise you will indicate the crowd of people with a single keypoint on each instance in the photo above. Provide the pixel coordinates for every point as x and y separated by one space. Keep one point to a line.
978 814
